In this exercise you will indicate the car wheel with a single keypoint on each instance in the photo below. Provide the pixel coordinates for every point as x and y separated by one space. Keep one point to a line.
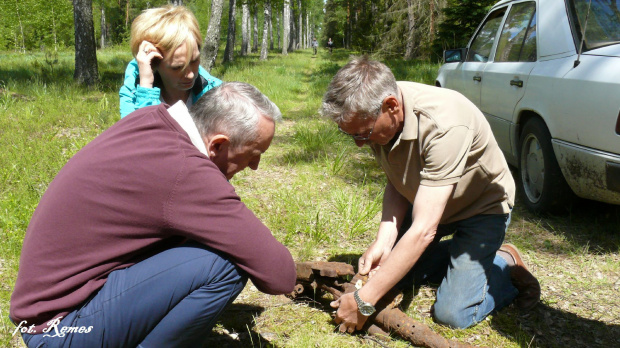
541 181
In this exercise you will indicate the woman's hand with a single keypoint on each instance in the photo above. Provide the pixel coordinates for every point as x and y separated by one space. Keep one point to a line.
146 54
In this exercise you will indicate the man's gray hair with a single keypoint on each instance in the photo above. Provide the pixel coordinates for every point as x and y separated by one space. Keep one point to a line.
359 89
233 109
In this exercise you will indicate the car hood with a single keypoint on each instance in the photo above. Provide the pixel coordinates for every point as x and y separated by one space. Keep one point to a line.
609 51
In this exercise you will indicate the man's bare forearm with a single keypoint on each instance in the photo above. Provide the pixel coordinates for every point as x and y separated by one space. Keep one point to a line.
427 211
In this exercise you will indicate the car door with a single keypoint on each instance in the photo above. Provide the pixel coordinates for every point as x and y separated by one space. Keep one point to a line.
505 77
469 73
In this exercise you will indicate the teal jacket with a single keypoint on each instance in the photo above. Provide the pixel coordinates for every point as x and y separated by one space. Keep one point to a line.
133 96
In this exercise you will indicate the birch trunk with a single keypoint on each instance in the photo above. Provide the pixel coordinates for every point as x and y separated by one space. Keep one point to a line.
21 27
103 28
245 16
267 19
270 27
255 36
300 19
212 39
308 33
286 26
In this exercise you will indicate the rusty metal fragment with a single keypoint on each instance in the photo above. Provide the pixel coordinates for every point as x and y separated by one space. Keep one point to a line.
332 277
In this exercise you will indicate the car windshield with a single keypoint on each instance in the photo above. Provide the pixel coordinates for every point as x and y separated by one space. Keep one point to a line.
603 22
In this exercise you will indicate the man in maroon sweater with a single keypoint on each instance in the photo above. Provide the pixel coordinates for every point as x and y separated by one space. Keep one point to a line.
141 240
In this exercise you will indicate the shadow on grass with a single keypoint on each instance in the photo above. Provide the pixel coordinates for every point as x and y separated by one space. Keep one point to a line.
238 320
589 228
545 326
38 68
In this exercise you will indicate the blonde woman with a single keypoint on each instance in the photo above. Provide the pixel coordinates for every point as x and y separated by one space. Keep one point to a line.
165 43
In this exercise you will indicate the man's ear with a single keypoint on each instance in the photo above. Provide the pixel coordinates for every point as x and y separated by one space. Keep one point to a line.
217 146
391 104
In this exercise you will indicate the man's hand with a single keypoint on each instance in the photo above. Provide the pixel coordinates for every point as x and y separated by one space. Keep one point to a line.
370 262
347 315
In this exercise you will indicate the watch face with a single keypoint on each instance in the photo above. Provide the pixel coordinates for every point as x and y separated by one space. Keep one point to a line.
367 310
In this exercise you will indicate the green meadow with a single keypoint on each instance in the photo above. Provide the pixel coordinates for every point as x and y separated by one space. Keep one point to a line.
318 193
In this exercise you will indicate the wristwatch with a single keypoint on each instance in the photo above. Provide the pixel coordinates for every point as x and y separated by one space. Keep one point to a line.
364 307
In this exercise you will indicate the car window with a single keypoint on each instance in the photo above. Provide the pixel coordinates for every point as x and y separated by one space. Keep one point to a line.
517 43
603 21
480 48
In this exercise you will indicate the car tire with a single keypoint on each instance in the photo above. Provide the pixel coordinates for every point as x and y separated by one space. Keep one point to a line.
541 182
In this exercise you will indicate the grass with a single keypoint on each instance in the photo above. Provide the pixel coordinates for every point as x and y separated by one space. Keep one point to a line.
319 194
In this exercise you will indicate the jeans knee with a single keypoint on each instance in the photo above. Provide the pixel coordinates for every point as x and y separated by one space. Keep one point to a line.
450 315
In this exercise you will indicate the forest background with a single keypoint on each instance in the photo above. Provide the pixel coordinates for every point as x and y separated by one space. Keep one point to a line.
411 29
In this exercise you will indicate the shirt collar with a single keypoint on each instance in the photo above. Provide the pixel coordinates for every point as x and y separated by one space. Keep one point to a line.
410 126
179 113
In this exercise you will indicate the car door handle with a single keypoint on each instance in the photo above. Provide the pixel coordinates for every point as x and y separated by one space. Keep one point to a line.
517 83
477 78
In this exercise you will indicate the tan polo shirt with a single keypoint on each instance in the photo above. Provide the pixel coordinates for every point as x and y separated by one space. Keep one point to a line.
446 140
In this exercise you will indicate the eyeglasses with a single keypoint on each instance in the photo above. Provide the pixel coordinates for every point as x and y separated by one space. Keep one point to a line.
358 136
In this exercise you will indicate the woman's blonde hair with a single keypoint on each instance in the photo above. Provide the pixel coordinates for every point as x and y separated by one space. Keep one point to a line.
167 28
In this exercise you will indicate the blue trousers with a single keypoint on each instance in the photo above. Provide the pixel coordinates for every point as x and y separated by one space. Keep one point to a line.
172 299
474 281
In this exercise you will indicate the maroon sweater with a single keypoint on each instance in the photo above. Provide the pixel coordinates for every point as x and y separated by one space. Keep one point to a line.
138 188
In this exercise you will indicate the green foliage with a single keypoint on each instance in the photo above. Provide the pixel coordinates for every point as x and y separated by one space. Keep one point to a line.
462 17
119 14
33 24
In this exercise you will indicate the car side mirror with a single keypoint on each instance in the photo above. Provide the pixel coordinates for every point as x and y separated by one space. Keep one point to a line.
455 55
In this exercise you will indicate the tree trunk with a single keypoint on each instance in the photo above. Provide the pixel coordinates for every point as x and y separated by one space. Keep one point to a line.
85 48
270 27
103 26
267 19
212 39
54 30
349 25
292 36
308 34
410 44
255 36
176 2
250 20
278 29
300 30
127 14
245 16
21 27
286 26
230 38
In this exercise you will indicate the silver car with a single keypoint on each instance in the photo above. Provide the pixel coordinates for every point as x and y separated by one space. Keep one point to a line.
546 74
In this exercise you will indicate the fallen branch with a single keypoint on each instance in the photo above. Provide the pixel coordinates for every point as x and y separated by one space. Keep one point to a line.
330 277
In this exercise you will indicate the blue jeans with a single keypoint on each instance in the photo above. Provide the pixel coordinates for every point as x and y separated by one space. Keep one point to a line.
172 299
474 281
